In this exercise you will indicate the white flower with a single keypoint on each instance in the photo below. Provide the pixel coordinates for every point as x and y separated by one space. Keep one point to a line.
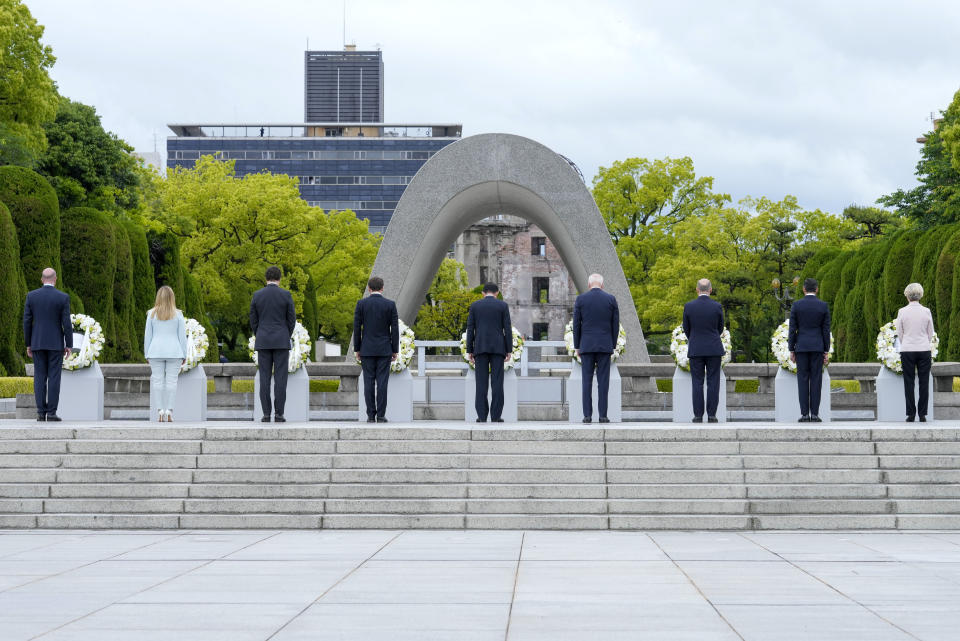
781 350
888 352
84 355
197 345
617 349
512 361
679 347
299 350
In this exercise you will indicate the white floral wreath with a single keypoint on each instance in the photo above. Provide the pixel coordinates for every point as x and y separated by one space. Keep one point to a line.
888 350
678 348
89 351
617 349
781 350
197 344
299 348
407 349
509 363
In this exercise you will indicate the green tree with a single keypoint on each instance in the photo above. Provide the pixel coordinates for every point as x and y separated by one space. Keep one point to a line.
868 222
89 257
936 200
943 290
143 289
12 290
86 164
28 97
33 206
443 315
122 344
897 271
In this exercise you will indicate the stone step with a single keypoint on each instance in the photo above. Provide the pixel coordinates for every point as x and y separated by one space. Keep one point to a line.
676 491
253 506
269 447
125 476
680 522
390 491
108 521
407 446
925 490
250 521
817 491
256 476
824 521
822 506
250 491
88 446
536 491
678 506
24 490
394 521
112 505
120 490
396 506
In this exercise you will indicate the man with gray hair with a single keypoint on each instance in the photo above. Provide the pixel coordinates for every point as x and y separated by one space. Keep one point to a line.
703 325
48 333
596 325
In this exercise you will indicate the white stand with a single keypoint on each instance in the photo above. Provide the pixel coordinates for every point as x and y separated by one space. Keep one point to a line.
787 397
81 394
575 395
683 397
891 404
191 403
509 414
297 407
399 398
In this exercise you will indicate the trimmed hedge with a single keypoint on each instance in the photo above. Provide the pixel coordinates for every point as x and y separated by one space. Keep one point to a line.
89 255
898 271
36 213
12 292
829 276
193 307
144 292
944 289
856 345
10 386
165 258
123 341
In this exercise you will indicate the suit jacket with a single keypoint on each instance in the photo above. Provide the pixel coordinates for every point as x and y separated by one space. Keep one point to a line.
809 325
703 324
46 319
165 338
488 327
272 317
376 328
596 322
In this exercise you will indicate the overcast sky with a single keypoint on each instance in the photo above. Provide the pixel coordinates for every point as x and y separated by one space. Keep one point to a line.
822 100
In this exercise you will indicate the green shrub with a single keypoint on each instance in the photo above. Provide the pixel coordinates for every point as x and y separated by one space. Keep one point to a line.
122 345
245 385
89 255
944 288
144 292
36 213
747 386
10 386
665 385
817 262
897 271
12 292
165 259
856 345
193 308
850 387
829 277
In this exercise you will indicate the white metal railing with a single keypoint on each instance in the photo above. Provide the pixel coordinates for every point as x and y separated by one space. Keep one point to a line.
525 363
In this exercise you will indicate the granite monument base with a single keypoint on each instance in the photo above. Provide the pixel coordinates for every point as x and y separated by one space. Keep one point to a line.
787 397
683 397
891 404
81 394
509 414
399 398
575 395
297 406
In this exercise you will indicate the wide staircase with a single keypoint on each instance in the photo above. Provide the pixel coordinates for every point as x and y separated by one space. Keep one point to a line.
558 477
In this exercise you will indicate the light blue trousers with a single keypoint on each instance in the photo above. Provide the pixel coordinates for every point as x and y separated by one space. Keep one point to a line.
163 382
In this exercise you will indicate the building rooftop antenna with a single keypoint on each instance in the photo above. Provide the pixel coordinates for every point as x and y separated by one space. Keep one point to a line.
344 23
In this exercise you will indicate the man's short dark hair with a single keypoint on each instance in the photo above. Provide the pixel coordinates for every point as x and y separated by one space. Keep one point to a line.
375 284
273 273
810 285
490 288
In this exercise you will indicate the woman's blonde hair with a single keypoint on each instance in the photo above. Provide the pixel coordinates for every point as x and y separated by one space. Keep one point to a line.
165 306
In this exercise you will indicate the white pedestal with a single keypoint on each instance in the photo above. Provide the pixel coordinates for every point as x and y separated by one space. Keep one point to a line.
509 414
891 404
81 394
787 397
191 403
399 398
683 397
297 407
575 395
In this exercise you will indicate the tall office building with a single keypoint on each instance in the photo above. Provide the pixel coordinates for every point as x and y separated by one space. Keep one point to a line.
343 86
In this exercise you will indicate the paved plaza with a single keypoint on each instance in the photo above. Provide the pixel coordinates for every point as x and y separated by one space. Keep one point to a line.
478 585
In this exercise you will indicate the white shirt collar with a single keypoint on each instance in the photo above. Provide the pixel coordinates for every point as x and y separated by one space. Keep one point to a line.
49 285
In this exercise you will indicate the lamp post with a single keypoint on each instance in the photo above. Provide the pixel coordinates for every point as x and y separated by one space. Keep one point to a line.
785 294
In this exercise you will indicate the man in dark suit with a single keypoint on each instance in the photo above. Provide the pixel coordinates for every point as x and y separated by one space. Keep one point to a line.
273 318
489 343
809 341
48 333
703 324
596 325
376 342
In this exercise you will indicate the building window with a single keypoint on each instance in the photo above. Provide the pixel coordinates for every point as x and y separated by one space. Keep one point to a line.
541 331
538 246
483 275
541 290
483 244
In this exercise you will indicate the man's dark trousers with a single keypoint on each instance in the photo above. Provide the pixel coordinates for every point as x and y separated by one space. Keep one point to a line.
809 379
489 368
710 364
600 361
276 361
376 376
47 364
916 364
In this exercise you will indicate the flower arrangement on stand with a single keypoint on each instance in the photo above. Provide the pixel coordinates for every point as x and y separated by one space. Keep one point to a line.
299 349
512 361
781 350
407 349
197 344
85 354
888 349
679 346
617 349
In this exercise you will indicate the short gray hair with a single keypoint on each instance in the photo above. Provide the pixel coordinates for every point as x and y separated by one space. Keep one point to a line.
704 286
595 279
914 291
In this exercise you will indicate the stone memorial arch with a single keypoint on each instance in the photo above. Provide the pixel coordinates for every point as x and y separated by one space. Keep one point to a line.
488 174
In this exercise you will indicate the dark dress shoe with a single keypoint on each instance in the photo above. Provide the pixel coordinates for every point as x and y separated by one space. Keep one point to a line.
41 418
804 419
497 420
697 419
816 419
381 419
279 419
923 419
53 418
265 419
372 419
587 419
604 419
481 420
713 419
911 419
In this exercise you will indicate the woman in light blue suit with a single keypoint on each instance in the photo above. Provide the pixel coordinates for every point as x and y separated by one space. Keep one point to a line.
165 346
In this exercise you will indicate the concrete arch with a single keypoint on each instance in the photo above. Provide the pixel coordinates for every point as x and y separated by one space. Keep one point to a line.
483 175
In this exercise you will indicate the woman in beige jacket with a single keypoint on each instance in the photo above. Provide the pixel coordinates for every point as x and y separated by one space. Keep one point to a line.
915 331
